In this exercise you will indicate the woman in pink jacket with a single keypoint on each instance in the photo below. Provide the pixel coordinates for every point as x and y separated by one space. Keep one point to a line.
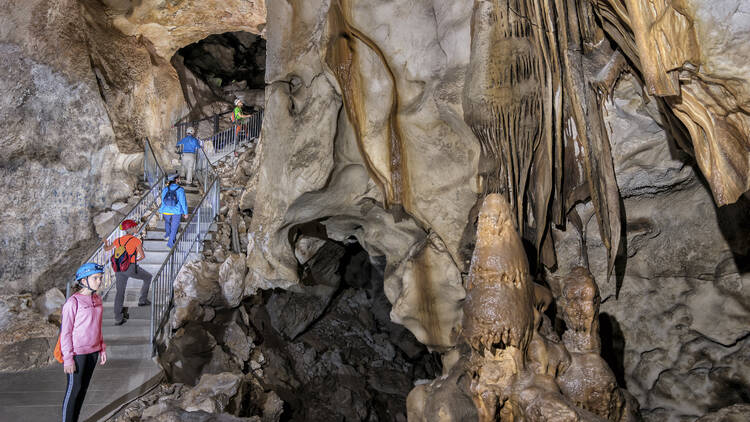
81 341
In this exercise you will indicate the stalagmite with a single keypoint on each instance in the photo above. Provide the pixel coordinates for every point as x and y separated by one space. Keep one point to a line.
515 366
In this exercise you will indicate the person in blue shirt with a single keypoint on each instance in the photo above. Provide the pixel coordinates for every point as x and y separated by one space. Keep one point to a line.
173 207
189 147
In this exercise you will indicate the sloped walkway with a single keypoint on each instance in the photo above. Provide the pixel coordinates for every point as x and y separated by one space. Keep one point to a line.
36 395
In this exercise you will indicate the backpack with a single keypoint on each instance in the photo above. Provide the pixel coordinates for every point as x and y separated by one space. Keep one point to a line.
58 349
121 258
170 198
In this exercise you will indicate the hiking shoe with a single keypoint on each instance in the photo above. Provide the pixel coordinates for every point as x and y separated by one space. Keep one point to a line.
145 303
120 322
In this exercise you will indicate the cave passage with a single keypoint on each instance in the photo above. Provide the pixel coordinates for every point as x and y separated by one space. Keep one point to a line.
230 58
216 71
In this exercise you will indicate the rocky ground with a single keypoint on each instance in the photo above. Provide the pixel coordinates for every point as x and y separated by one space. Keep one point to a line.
29 330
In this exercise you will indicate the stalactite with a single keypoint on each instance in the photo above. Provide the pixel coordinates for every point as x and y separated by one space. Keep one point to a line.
511 92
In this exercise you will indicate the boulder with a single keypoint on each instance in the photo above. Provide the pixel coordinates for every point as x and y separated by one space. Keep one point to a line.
27 339
215 393
50 304
231 279
734 413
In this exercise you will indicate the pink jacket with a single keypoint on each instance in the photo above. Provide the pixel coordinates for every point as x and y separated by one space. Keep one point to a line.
81 331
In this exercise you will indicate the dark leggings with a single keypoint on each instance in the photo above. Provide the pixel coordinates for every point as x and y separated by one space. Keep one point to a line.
78 383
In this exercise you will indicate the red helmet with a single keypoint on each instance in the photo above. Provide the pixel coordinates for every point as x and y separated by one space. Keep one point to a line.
128 224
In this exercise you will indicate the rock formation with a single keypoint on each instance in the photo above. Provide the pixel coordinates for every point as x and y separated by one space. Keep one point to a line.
27 335
518 103
600 136
516 365
673 310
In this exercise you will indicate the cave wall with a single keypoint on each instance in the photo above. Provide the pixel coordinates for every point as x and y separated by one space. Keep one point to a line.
693 54
677 306
359 128
363 122
60 165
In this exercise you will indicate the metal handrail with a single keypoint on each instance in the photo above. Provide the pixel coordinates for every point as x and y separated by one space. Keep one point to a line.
181 127
152 170
200 120
192 236
225 142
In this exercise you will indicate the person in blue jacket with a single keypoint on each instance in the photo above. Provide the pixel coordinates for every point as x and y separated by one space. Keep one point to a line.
173 207
189 147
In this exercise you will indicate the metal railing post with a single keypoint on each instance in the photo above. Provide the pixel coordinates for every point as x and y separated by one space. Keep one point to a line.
198 230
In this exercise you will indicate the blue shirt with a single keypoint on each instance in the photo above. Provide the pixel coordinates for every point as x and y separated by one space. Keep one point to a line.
189 144
181 207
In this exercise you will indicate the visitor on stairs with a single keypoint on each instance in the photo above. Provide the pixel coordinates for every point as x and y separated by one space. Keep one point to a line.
173 207
124 262
188 147
81 341
238 117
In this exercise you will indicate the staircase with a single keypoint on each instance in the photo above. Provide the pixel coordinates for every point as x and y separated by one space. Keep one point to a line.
133 339
231 140
131 369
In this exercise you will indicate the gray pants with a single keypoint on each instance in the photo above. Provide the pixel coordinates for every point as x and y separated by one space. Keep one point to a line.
121 283
188 166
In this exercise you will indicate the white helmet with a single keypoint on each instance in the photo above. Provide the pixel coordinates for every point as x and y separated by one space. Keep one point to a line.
237 102
190 130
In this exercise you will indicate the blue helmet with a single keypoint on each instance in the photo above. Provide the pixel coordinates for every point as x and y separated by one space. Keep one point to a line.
88 269
172 177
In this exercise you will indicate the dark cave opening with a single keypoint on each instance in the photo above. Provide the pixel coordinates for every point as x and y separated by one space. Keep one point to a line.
332 351
216 71
229 58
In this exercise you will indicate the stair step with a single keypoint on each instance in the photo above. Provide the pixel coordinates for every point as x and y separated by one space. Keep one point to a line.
151 268
129 351
133 323
135 312
155 245
127 333
134 331
160 226
154 257
132 286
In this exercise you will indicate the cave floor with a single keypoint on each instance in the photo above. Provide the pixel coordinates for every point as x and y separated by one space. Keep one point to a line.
36 395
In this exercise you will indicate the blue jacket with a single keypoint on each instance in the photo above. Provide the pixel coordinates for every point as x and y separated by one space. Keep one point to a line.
189 144
181 207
